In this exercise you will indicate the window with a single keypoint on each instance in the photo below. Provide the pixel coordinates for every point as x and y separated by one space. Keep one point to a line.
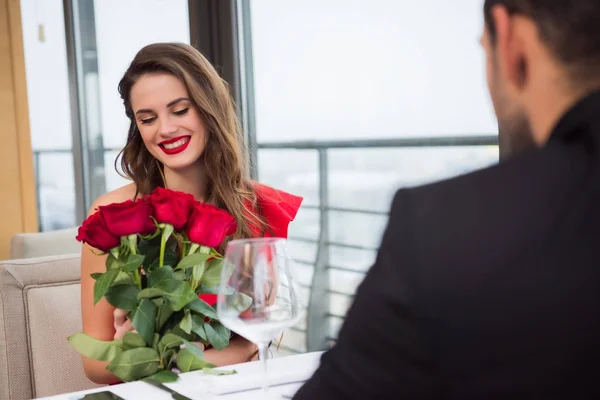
354 100
77 120
49 112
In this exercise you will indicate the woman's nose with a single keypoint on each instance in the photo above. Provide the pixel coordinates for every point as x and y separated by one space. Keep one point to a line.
166 127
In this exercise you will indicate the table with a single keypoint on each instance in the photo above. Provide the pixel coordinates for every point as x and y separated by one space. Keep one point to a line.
286 375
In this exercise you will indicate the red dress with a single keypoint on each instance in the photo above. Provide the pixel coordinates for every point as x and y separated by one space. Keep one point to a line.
277 209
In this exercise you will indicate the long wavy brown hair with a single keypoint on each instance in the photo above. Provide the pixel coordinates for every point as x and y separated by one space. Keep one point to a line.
228 182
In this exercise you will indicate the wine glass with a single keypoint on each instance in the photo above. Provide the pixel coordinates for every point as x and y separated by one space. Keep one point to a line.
257 296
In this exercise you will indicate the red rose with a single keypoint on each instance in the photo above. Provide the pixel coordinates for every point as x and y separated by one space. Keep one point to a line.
171 207
209 225
129 217
209 298
94 232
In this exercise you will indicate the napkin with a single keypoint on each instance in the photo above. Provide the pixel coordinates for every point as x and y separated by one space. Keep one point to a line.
280 371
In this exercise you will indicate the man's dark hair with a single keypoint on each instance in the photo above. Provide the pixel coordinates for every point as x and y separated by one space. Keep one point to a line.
570 29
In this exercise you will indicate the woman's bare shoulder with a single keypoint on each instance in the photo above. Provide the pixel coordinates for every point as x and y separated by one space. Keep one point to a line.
119 195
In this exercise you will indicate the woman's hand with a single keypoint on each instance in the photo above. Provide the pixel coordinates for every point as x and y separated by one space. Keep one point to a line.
122 324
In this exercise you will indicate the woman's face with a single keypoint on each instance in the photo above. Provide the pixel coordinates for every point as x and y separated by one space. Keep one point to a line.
168 121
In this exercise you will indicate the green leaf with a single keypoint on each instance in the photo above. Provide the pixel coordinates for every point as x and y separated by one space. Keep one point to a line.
241 301
123 297
187 361
164 313
132 340
149 293
212 274
123 279
218 335
96 275
160 274
132 242
144 320
197 271
169 341
112 262
158 301
164 377
186 322
202 307
177 331
134 261
211 371
171 258
135 364
115 251
193 259
226 290
198 327
169 357
151 251
103 283
195 350
179 275
167 231
155 341
95 349
177 293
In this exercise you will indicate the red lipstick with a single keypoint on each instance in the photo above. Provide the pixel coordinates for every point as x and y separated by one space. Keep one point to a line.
175 145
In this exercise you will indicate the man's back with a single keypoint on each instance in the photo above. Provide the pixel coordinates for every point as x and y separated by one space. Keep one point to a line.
485 286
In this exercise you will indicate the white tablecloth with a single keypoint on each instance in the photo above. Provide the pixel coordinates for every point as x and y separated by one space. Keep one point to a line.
285 373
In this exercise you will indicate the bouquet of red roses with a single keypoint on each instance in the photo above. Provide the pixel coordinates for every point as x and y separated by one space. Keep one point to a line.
161 266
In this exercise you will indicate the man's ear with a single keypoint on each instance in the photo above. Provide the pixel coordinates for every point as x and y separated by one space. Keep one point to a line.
510 46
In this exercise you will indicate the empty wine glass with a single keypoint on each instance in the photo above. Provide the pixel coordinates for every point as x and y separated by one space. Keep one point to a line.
257 295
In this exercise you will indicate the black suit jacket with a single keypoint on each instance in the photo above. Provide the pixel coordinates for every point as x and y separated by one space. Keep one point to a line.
486 286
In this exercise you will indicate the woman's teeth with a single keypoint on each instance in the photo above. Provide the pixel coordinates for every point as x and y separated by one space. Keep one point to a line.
174 145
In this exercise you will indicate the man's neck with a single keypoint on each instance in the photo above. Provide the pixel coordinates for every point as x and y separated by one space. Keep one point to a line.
548 108
190 180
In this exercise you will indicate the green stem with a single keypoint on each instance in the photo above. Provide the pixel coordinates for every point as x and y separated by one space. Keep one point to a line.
132 239
193 248
184 244
161 259
166 234
198 270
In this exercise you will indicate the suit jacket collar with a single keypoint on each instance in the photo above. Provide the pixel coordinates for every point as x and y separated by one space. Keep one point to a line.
579 119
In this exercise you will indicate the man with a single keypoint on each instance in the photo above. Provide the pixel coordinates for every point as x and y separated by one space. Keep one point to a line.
487 286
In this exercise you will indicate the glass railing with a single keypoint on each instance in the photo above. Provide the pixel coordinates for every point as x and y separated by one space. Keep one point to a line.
347 188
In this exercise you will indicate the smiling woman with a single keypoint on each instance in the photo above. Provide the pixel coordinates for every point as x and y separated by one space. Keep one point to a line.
183 135
168 122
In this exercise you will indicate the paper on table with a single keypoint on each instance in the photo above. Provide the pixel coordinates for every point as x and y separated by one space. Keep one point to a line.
231 383
281 371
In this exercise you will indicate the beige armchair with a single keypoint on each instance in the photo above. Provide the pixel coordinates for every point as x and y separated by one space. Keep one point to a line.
53 243
39 309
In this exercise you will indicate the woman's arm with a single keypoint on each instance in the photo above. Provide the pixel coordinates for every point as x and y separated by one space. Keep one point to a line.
97 320
239 350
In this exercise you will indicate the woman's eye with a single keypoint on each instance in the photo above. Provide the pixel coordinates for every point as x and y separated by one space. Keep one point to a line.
181 112
147 120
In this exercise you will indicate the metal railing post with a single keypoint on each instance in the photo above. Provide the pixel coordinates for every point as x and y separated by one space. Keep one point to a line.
318 308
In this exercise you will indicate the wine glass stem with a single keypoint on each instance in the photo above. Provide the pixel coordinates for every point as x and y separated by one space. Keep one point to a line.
262 356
